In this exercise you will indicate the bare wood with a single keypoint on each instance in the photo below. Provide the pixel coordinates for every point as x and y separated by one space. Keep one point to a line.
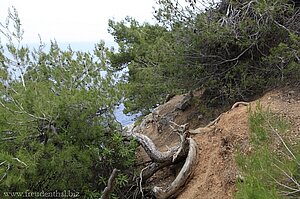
110 185
214 122
183 176
239 103
151 149
186 148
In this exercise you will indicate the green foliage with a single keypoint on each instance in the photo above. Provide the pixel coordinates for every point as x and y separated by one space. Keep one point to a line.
234 49
285 57
57 128
268 171
257 183
151 55
259 134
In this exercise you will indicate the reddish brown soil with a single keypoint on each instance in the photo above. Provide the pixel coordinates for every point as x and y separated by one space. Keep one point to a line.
216 174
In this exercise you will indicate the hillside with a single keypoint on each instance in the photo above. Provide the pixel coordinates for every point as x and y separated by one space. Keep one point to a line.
216 173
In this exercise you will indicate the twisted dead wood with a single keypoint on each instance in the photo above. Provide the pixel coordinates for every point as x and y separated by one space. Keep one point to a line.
152 151
183 176
186 148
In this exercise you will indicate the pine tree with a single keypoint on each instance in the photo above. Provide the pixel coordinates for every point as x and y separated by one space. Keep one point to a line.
57 128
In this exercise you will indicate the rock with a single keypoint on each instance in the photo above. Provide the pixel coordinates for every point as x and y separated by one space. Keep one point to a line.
185 103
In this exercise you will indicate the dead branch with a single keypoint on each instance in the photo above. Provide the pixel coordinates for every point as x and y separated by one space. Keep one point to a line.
110 185
151 149
283 142
9 138
20 161
186 148
239 103
22 111
8 168
182 178
179 155
151 169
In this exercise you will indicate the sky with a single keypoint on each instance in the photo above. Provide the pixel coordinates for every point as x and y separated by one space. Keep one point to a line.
74 21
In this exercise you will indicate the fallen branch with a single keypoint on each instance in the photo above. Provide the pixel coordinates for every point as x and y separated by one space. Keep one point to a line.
283 142
151 169
239 103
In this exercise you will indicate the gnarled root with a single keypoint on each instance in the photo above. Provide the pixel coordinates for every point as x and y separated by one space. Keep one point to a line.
186 149
183 176
151 169
153 152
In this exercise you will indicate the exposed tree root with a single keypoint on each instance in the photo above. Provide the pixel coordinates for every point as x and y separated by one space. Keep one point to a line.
239 103
183 176
152 151
186 149
151 169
